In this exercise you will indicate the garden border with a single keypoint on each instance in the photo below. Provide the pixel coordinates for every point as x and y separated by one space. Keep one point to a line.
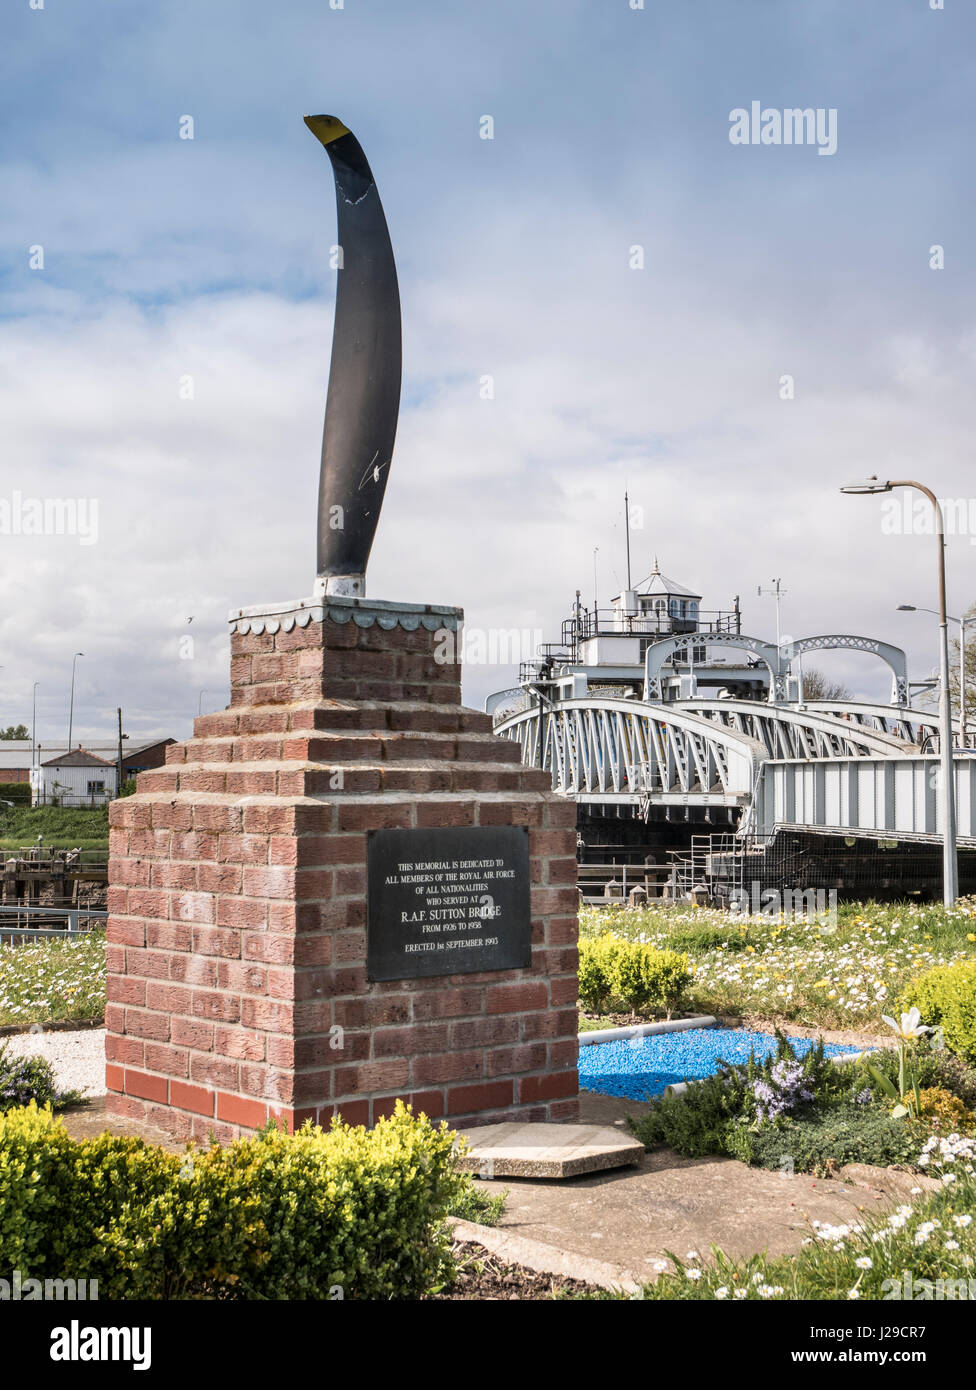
642 1030
61 1025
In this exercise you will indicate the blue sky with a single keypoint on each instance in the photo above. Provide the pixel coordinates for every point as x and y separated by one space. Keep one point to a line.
166 258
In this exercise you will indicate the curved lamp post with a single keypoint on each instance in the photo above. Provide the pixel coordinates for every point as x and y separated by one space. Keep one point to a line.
963 624
950 868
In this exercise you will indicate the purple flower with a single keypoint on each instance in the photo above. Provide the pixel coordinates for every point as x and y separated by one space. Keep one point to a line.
783 1092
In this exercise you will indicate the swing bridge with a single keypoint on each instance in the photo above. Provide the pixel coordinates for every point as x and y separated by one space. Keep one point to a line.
680 737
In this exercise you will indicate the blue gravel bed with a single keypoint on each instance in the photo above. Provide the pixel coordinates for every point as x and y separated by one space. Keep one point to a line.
643 1067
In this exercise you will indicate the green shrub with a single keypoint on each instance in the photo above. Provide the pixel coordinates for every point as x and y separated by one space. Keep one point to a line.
695 1123
273 1216
23 1079
644 977
630 974
953 1075
596 961
715 1116
946 998
837 1135
20 792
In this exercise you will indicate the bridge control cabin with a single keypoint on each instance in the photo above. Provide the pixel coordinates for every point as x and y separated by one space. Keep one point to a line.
602 651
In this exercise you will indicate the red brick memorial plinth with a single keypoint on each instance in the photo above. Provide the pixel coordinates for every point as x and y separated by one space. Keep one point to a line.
238 962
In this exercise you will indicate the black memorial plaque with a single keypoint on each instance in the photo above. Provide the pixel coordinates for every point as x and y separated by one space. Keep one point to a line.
447 901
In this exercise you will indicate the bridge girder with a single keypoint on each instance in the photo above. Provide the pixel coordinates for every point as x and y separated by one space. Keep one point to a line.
628 747
748 754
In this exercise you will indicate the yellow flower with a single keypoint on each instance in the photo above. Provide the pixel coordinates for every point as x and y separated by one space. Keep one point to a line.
820 984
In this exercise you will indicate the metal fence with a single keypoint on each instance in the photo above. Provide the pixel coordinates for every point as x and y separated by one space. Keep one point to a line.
45 798
42 923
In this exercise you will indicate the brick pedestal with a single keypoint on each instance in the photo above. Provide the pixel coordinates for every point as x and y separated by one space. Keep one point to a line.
237 984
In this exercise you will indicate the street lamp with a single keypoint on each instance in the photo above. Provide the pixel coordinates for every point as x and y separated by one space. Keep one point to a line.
962 676
950 870
71 710
963 622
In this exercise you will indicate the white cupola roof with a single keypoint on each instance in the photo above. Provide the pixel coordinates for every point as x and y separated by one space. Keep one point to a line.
658 583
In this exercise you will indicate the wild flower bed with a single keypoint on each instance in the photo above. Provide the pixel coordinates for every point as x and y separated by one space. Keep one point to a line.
925 1251
835 974
53 981
800 1112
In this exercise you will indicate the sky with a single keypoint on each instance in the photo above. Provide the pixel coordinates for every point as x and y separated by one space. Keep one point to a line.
728 331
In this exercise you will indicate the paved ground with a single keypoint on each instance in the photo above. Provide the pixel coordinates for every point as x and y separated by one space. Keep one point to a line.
632 1217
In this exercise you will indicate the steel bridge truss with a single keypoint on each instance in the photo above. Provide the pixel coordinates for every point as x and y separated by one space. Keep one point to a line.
625 750
828 767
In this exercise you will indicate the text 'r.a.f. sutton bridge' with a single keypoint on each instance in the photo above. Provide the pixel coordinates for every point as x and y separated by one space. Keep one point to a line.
657 712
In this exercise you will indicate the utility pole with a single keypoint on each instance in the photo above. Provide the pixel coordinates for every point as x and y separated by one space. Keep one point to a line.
596 600
777 593
963 623
118 779
71 712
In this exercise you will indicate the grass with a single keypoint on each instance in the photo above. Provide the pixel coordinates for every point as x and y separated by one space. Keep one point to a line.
53 981
820 974
590 1023
474 1205
64 827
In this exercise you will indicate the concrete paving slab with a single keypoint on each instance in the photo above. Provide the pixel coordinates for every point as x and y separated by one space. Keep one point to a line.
545 1259
631 1218
634 1217
547 1150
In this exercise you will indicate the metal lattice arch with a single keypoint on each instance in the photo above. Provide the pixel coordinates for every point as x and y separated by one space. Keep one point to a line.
894 657
659 652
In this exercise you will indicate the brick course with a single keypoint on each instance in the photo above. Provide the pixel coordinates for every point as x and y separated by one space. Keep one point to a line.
237 942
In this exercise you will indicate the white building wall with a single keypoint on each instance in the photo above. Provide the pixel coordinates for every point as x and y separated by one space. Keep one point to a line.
72 783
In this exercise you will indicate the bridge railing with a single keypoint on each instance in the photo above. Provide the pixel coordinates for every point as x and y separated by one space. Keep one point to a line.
27 923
